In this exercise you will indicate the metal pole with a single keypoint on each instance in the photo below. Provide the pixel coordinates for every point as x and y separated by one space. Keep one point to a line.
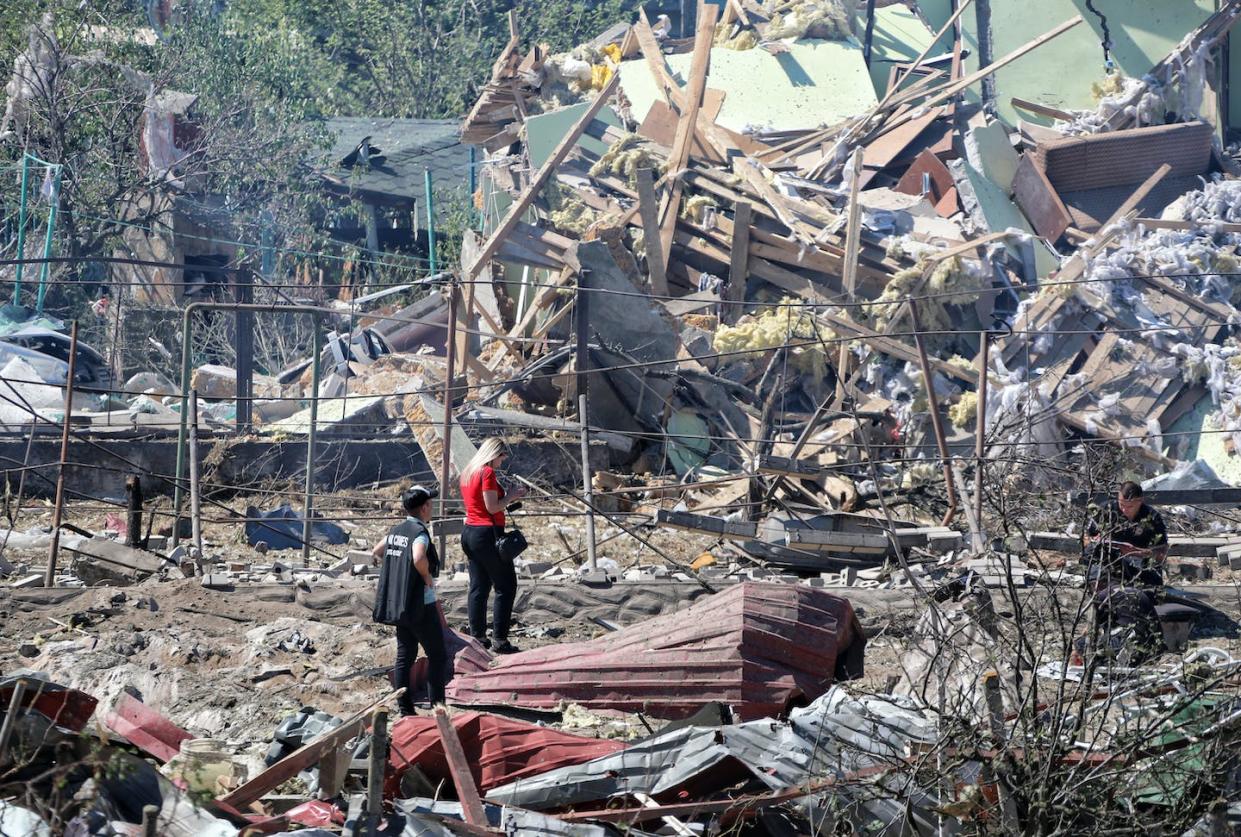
980 426
21 229
375 770
47 241
133 522
583 416
308 506
183 429
183 432
243 292
941 441
195 506
450 348
430 223
49 578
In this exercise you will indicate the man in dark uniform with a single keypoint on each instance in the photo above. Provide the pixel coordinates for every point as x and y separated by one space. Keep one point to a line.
405 597
1131 537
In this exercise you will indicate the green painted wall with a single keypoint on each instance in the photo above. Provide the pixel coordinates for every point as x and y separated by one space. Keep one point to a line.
814 83
900 37
1060 73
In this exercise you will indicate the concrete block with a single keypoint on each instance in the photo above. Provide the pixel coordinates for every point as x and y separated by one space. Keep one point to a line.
217 581
28 581
533 569
593 578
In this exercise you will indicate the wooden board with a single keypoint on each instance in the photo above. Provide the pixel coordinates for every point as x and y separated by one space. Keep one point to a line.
1035 196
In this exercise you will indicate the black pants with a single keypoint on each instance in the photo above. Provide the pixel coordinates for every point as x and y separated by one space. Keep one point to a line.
488 570
429 633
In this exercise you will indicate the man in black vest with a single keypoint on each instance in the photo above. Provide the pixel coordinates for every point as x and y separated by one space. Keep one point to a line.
405 597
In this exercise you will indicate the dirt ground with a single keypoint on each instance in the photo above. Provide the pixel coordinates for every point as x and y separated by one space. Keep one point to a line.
232 664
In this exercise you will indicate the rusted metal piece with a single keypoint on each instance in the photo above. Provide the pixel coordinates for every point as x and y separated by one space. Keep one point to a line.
756 647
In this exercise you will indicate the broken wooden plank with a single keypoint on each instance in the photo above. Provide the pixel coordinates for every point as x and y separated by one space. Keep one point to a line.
1142 191
648 210
783 466
1038 199
944 93
309 754
1041 109
459 767
519 207
739 265
677 160
1206 227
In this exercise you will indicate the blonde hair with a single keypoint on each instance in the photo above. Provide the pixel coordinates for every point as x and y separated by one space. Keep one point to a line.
487 451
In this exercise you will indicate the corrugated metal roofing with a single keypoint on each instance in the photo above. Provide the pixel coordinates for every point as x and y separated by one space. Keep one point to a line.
756 647
499 750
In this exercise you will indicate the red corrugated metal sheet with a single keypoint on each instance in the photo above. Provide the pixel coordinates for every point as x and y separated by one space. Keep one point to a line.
466 655
499 750
145 728
757 647
66 707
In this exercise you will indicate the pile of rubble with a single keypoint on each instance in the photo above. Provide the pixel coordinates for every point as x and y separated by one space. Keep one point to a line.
799 291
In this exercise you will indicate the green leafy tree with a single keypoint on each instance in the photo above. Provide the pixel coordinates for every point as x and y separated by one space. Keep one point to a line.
88 75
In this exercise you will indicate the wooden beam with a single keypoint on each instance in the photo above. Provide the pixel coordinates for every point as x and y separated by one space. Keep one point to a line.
679 158
1141 193
853 242
946 92
540 302
1041 110
853 227
309 754
648 210
459 767
889 346
519 207
1160 224
654 57
739 263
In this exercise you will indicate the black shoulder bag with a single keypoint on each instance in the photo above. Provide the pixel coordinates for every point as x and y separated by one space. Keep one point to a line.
510 544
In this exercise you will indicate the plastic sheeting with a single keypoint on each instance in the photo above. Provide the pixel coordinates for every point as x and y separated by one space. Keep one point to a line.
1188 476
282 529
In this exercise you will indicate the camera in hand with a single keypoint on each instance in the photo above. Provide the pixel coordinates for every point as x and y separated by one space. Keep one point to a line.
512 507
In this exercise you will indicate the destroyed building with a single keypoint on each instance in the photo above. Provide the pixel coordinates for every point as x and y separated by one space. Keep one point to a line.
819 332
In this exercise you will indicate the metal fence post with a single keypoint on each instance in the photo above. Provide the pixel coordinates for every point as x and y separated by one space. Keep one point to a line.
49 578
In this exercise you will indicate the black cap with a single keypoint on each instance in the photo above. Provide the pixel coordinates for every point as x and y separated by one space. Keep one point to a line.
416 496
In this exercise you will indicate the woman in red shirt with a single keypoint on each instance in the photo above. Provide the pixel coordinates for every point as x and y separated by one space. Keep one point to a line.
485 502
